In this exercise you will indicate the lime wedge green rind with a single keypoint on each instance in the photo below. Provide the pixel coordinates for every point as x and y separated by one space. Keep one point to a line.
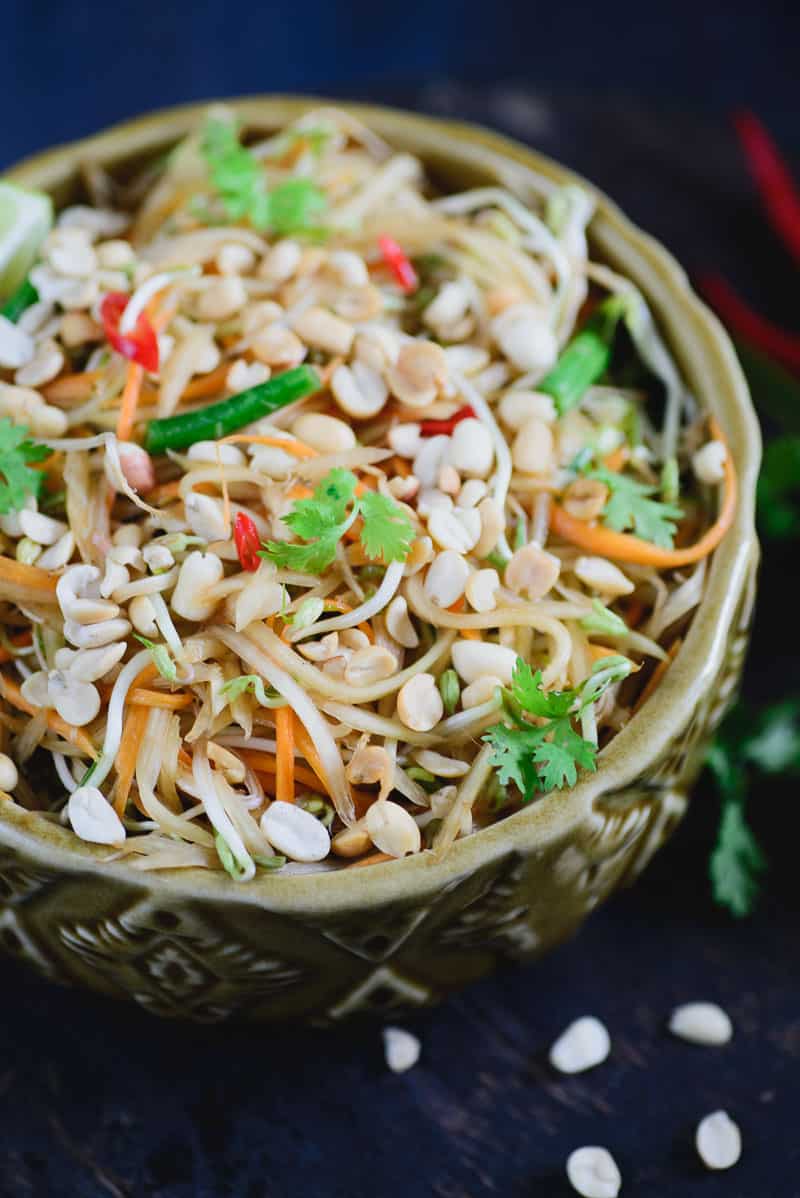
26 218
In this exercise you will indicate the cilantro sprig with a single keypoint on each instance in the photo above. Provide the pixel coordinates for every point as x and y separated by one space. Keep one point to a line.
18 480
630 507
321 522
779 489
293 206
768 744
542 757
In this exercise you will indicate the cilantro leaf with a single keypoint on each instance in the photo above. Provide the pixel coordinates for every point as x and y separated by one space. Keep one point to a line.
336 490
387 531
294 204
15 453
239 179
736 862
312 558
630 508
513 757
526 689
774 746
235 173
539 758
323 520
560 756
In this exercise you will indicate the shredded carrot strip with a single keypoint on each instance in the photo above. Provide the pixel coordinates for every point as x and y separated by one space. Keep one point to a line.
52 468
265 763
624 547
130 401
16 577
135 724
658 673
340 605
146 674
469 634
19 641
165 491
299 491
132 393
284 739
598 652
207 384
142 697
147 698
616 460
298 448
13 695
373 859
309 750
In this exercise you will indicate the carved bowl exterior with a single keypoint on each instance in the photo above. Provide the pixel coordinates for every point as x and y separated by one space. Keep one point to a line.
322 946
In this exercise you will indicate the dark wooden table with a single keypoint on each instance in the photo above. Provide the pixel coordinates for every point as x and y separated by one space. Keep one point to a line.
99 1100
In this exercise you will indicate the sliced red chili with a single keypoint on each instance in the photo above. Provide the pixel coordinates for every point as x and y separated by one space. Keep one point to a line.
443 428
141 345
248 542
748 324
779 192
399 263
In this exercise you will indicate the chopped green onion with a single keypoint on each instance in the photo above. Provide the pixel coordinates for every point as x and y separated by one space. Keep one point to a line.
417 774
318 807
496 559
586 358
229 862
219 419
670 481
52 500
275 862
255 684
450 690
632 425
603 622
27 551
308 612
161 658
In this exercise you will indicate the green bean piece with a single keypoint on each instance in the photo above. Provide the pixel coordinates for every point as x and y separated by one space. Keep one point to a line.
586 358
219 419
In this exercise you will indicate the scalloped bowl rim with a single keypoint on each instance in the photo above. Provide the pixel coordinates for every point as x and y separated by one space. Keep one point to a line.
661 718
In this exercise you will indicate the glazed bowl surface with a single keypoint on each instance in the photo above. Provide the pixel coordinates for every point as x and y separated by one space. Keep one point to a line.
194 944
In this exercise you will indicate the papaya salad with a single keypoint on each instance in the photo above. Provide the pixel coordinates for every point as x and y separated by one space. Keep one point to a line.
340 517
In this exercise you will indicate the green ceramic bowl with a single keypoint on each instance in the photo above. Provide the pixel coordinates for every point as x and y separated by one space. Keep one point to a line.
402 934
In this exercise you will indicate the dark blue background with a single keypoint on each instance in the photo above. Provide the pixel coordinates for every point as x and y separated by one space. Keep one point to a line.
99 1100
68 68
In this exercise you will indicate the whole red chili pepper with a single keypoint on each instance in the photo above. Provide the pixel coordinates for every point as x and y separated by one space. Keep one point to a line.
248 542
443 428
399 264
779 192
748 324
139 346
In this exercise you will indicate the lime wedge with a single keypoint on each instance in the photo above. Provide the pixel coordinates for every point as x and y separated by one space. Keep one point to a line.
25 220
